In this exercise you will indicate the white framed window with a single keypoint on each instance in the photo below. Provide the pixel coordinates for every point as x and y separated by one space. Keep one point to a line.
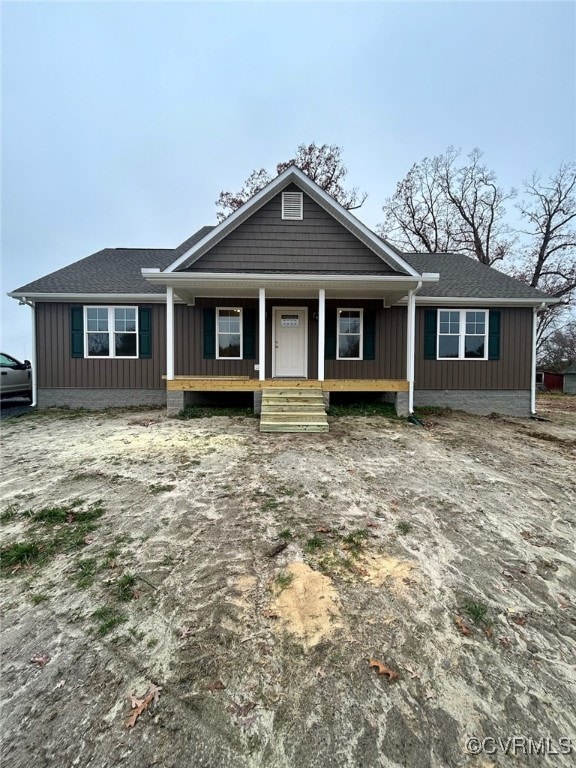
228 333
293 206
462 334
111 332
349 330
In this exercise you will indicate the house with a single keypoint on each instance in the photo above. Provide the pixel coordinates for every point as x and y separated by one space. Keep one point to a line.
290 291
549 381
570 380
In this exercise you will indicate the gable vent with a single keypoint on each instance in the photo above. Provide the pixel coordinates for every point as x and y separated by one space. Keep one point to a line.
292 205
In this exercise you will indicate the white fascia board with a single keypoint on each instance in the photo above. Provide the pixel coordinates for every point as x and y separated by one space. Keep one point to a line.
135 298
294 174
182 278
471 301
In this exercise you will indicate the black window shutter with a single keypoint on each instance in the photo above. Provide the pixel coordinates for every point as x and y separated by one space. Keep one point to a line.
494 334
209 317
77 331
249 333
369 351
430 329
330 337
145 332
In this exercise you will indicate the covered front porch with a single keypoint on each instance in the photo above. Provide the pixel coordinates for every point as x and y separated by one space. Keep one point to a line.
331 333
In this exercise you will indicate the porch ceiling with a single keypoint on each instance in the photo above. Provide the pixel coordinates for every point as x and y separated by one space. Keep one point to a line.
388 288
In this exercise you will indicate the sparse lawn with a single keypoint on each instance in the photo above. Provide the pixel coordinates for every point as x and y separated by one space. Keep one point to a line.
253 577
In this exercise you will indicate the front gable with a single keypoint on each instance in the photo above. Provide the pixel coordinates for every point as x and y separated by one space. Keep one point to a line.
267 242
328 224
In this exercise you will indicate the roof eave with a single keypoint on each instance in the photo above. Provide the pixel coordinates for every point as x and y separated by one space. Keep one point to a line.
141 298
492 301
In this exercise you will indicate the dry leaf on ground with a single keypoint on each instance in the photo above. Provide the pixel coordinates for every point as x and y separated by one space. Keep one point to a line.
464 628
382 669
215 685
40 660
241 710
141 705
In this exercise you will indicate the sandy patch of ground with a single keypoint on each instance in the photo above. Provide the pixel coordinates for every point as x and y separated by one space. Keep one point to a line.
150 541
308 606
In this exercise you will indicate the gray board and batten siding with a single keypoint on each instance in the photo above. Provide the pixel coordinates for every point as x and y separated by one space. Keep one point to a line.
58 369
512 369
267 243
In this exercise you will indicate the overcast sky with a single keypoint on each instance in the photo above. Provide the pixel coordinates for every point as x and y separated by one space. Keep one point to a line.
122 121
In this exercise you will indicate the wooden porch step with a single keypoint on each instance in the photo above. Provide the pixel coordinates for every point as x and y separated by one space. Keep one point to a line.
303 417
288 407
289 410
289 427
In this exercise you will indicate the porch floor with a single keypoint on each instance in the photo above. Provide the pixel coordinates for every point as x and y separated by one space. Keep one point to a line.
245 384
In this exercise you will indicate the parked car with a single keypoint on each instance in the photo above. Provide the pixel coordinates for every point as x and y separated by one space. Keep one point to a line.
15 377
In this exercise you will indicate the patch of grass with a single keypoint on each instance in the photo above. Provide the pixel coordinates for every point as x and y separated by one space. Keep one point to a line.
285 534
313 544
355 540
161 487
108 618
85 571
404 527
206 412
55 530
125 587
477 612
283 580
38 597
386 410
270 504
20 553
8 514
110 557
152 642
334 562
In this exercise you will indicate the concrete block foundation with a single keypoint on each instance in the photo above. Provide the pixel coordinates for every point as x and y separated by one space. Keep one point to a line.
508 402
98 399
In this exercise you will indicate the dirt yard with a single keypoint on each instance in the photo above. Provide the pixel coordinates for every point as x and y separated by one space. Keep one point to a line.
195 593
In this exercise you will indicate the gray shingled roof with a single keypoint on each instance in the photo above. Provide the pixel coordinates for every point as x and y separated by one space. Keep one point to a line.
117 270
112 270
461 276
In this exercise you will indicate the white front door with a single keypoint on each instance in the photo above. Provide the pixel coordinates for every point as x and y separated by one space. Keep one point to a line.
290 342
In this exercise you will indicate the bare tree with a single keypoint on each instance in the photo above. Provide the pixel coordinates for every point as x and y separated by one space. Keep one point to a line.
442 205
549 210
547 256
323 164
559 349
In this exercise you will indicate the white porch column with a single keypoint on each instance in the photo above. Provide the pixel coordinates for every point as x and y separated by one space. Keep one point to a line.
321 331
410 346
262 334
169 333
533 366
